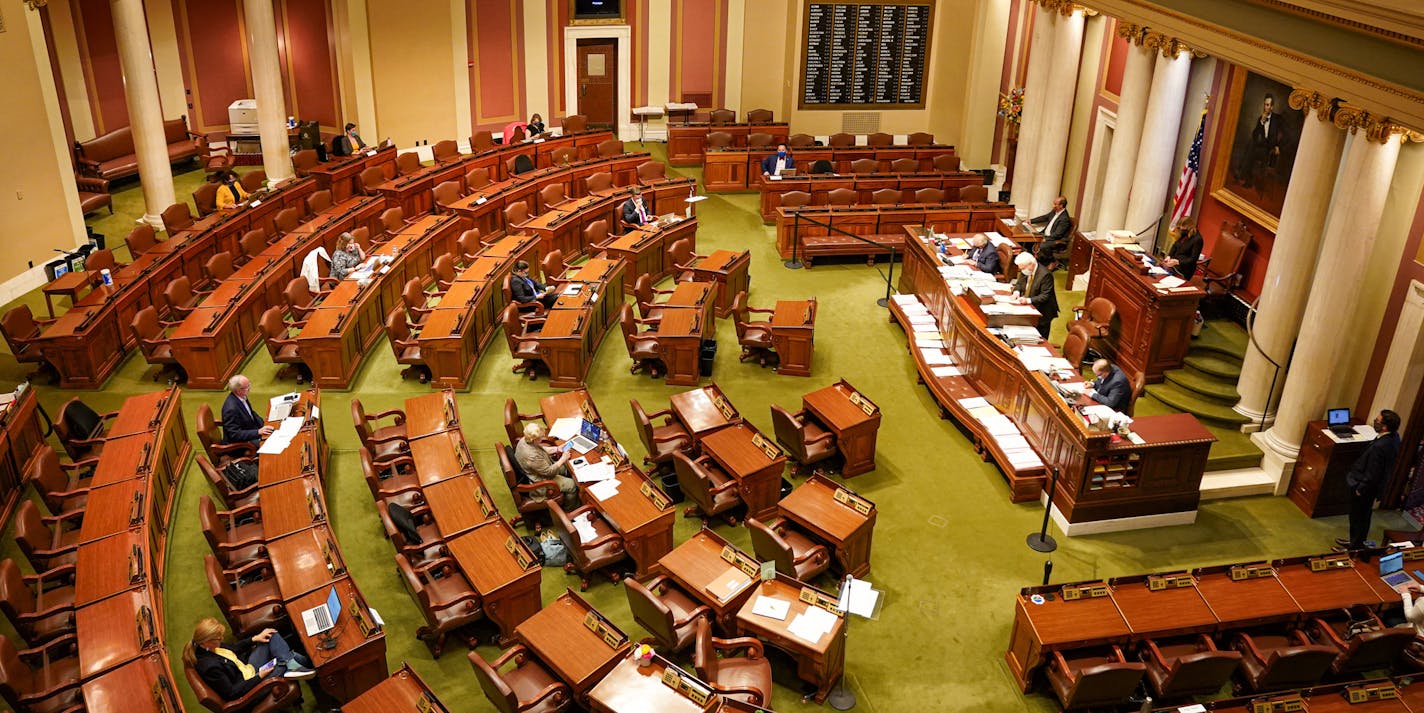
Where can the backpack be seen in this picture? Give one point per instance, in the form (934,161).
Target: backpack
(533,544)
(240,474)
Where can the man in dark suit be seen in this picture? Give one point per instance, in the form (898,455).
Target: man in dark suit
(780,161)
(1265,147)
(1367,477)
(525,289)
(634,213)
(240,422)
(984,254)
(1111,388)
(1035,286)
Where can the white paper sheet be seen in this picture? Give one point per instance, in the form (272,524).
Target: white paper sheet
(934,357)
(565,428)
(804,627)
(604,489)
(771,607)
(943,371)
(593,472)
(862,598)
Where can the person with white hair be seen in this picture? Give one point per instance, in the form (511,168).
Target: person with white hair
(1034,286)
(984,254)
(240,422)
(539,463)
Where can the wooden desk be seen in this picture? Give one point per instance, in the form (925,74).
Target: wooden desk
(864,184)
(855,430)
(305,560)
(459,503)
(441,455)
(570,404)
(820,662)
(758,475)
(1165,612)
(69,284)
(342,175)
(793,325)
(116,631)
(806,231)
(403,692)
(291,505)
(704,410)
(845,531)
(699,295)
(729,270)
(358,661)
(431,414)
(604,278)
(1247,601)
(687,142)
(680,334)
(630,688)
(1317,483)
(698,563)
(559,636)
(1328,590)
(645,249)
(641,513)
(503,572)
(1153,329)
(140,686)
(114,564)
(567,343)
(113,509)
(21,433)
(739,169)
(1056,624)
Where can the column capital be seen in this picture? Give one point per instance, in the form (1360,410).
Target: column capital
(1131,32)
(1380,129)
(1065,7)
(1170,47)
(1309,100)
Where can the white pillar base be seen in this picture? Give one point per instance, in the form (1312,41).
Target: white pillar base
(1277,458)
(1256,416)
(1238,483)
(152,219)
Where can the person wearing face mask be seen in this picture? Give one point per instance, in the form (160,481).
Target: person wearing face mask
(634,213)
(230,191)
(780,161)
(1367,478)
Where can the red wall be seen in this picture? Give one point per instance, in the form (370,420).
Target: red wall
(99,54)
(496,46)
(698,49)
(1410,269)
(308,61)
(213,48)
(1117,60)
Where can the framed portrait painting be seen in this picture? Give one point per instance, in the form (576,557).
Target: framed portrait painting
(1252,165)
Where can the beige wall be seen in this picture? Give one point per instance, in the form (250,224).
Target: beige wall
(66,50)
(764,74)
(163,39)
(412,61)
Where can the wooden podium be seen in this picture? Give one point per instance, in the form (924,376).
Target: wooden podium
(1154,325)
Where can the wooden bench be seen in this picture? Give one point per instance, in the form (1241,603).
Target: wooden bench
(829,245)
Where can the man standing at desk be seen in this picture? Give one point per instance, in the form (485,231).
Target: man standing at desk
(1057,223)
(525,289)
(634,213)
(1368,476)
(780,161)
(1110,388)
(1035,286)
(240,421)
(984,254)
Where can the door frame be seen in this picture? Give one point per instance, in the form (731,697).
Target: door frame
(623,35)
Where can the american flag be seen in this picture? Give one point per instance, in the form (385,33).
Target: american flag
(1187,185)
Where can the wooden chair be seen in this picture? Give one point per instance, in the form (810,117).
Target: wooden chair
(806,441)
(920,138)
(148,331)
(643,346)
(299,300)
(481,141)
(1139,387)
(681,256)
(393,481)
(81,429)
(516,165)
(598,182)
(800,141)
(446,151)
(1095,318)
(553,267)
(1272,660)
(661,441)
(746,678)
(1075,345)
(709,489)
(595,234)
(514,421)
(1362,642)
(553,195)
(649,171)
(64,487)
(598,554)
(140,240)
(304,161)
(382,441)
(517,136)
(759,116)
(515,216)
(880,139)
(564,156)
(318,201)
(371,178)
(718,140)
(523,344)
(665,611)
(886,196)
(423,543)
(271,695)
(447,601)
(609,148)
(795,199)
(233,536)
(41,679)
(176,218)
(392,221)
(929,195)
(256,179)
(722,116)
(753,337)
(233,498)
(477,178)
(525,687)
(218,268)
(1220,273)
(1086,678)
(414,299)
(1187,666)
(287,220)
(281,347)
(248,597)
(205,199)
(45,541)
(470,245)
(407,163)
(533,309)
(574,123)
(405,346)
(793,551)
(530,496)
(905,165)
(445,194)
(252,244)
(645,296)
(841,141)
(864,165)
(40,607)
(842,197)
(974,194)
(946,163)
(21,330)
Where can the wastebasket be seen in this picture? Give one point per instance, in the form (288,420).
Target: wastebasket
(671,487)
(56,267)
(706,356)
(77,258)
(97,239)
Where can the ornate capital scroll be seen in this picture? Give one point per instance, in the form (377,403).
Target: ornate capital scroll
(1380,129)
(1065,7)
(1131,32)
(1170,47)
(1309,100)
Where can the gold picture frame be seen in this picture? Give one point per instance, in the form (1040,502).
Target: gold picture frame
(1249,173)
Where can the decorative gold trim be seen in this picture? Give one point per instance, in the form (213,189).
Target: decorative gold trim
(1066,8)
(1309,100)
(1131,32)
(1344,22)
(1170,47)
(36,4)
(1380,129)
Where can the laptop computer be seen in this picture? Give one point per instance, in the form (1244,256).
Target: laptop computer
(322,617)
(590,430)
(1338,420)
(1393,574)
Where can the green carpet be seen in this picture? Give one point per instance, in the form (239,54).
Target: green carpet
(949,548)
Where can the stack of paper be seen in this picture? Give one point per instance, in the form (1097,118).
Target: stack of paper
(861,598)
(812,624)
(604,489)
(934,357)
(282,437)
(902,300)
(929,339)
(973,403)
(943,371)
(592,472)
(565,428)
(1169,282)
(584,528)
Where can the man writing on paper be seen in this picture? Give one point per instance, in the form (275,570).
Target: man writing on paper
(539,464)
(1035,286)
(525,289)
(984,254)
(240,421)
(1111,388)
(1367,478)
(780,161)
(633,213)
(1057,223)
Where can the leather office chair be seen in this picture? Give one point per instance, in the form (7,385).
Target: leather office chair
(371,178)
(141,239)
(271,695)
(287,220)
(442,270)
(645,296)
(530,496)
(514,421)
(805,440)
(1096,317)
(516,165)
(1220,273)
(665,611)
(205,199)
(886,196)
(1274,660)
(753,337)
(1139,387)
(392,221)
(722,116)
(563,157)
(445,151)
(64,487)
(553,195)
(974,194)
(447,601)
(318,201)
(217,268)
(405,346)
(216,159)
(595,234)
(426,545)
(800,141)
(81,429)
(651,171)
(45,541)
(709,488)
(414,298)
(212,440)
(232,498)
(841,140)
(946,163)
(585,558)
(534,309)
(574,123)
(920,138)
(681,256)
(864,166)
(1075,346)
(445,194)
(397,482)
(515,216)
(252,244)
(21,330)
(300,301)
(719,140)
(525,687)
(517,136)
(880,139)
(1187,666)
(1361,640)
(822,167)
(153,343)
(44,679)
(470,245)
(660,440)
(598,182)
(793,551)
(304,161)
(176,218)
(1009,271)
(40,607)
(553,267)
(929,195)
(523,344)
(759,116)
(609,148)
(842,197)
(746,678)
(407,163)
(362,237)
(281,347)
(234,537)
(643,347)
(1093,677)
(905,165)
(248,597)
(481,141)
(382,441)
(103,260)
(795,199)
(256,180)
(477,178)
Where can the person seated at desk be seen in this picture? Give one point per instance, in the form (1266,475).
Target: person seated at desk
(1111,388)
(232,671)
(349,142)
(240,422)
(634,213)
(230,190)
(539,463)
(525,289)
(535,125)
(1057,223)
(984,254)
(1182,258)
(1035,286)
(780,161)
(348,256)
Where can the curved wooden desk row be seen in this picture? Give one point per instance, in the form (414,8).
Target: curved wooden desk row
(738,447)
(403,692)
(21,433)
(864,184)
(565,228)
(687,142)
(87,343)
(306,560)
(883,224)
(214,339)
(1208,600)
(342,174)
(118,574)
(1101,477)
(1401,694)
(738,169)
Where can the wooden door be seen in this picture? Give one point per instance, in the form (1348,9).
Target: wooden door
(598,81)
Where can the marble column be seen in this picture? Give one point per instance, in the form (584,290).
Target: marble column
(1031,123)
(1292,265)
(1058,111)
(155,173)
(1127,136)
(1154,175)
(1354,218)
(267,90)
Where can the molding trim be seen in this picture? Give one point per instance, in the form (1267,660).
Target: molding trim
(1066,8)
(1353,23)
(623,34)
(1380,129)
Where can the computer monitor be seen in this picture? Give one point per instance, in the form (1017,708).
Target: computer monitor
(1337,417)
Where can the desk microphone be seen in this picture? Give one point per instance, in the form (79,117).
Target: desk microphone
(1048,572)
